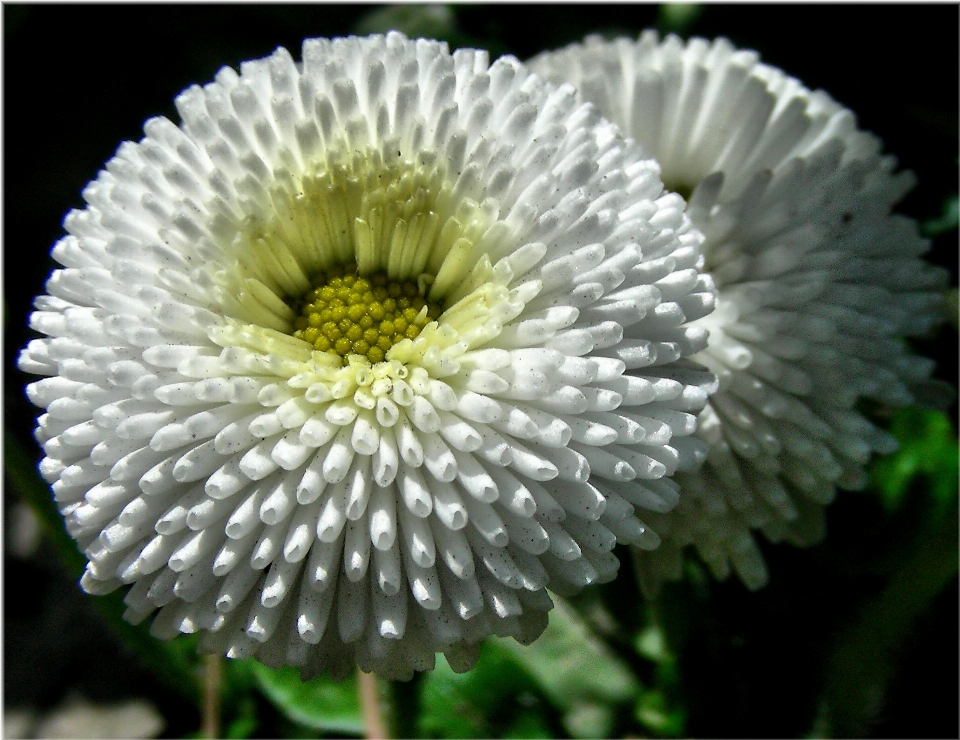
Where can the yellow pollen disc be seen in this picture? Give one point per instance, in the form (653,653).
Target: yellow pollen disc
(349,314)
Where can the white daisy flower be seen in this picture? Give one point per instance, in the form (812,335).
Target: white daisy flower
(365,354)
(818,283)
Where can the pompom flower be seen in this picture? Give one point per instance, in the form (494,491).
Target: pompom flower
(370,350)
(818,283)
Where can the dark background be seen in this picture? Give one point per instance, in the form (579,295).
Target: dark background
(80,79)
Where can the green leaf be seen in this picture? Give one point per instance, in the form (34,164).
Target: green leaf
(244,723)
(578,672)
(652,644)
(427,21)
(238,698)
(320,704)
(678,17)
(654,712)
(497,698)
(658,708)
(947,221)
(928,448)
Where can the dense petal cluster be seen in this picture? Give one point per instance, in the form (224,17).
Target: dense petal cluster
(818,283)
(329,510)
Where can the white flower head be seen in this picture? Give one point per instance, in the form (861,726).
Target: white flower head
(818,283)
(365,354)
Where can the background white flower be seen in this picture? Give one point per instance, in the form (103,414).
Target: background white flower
(373,498)
(819,283)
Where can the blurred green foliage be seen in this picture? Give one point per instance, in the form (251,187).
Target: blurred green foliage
(497,699)
(320,704)
(928,458)
(944,223)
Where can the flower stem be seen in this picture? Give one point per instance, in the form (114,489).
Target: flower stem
(211,696)
(374,726)
(404,701)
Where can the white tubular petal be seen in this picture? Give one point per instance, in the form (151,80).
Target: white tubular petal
(289,453)
(475,479)
(313,613)
(366,437)
(423,415)
(438,459)
(501,599)
(484,520)
(300,536)
(387,412)
(194,548)
(525,532)
(477,408)
(449,506)
(281,578)
(408,443)
(385,459)
(156,553)
(514,495)
(532,572)
(245,518)
(390,613)
(232,553)
(423,583)
(280,502)
(257,463)
(262,622)
(418,539)
(516,423)
(208,512)
(333,513)
(339,457)
(359,490)
(269,546)
(351,609)
(140,510)
(388,569)
(416,494)
(312,483)
(316,431)
(383,518)
(174,519)
(323,564)
(453,548)
(356,552)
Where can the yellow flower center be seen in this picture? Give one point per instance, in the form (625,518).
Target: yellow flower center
(363,259)
(349,314)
